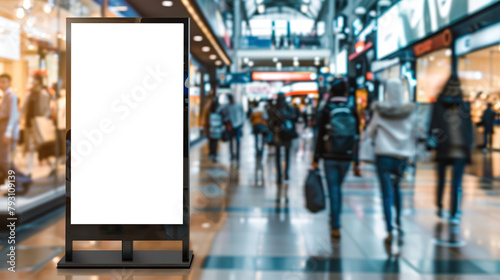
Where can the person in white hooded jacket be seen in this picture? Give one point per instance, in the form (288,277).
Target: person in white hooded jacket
(393,131)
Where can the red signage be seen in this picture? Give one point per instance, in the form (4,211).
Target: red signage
(360,48)
(439,41)
(284,76)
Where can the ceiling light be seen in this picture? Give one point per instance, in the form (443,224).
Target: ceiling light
(259,1)
(384,3)
(316,58)
(295,58)
(27,4)
(167,3)
(447,52)
(278,66)
(304,8)
(250,63)
(31,47)
(316,62)
(275,59)
(372,13)
(20,13)
(47,8)
(296,63)
(205,49)
(431,58)
(261,9)
(218,62)
(198,38)
(360,11)
(213,57)
(246,60)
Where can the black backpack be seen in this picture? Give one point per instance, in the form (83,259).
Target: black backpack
(341,132)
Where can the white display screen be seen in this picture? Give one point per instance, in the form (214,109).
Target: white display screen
(127,87)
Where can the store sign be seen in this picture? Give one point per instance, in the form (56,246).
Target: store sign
(477,40)
(284,76)
(360,47)
(411,20)
(10,39)
(439,41)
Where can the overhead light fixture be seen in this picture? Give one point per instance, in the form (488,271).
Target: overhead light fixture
(205,49)
(167,3)
(218,62)
(316,62)
(296,63)
(31,47)
(316,58)
(372,13)
(384,3)
(360,11)
(27,4)
(246,60)
(20,13)
(261,9)
(212,57)
(259,2)
(206,31)
(275,59)
(304,8)
(198,38)
(47,8)
(250,63)
(295,58)
(447,52)
(278,66)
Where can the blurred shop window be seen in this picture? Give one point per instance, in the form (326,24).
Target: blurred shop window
(433,70)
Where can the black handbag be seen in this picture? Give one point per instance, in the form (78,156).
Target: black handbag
(315,194)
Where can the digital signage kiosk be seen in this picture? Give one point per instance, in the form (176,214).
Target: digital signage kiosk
(128,118)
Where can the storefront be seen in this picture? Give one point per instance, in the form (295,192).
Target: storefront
(478,56)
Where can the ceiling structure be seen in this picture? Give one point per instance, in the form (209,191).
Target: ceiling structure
(205,46)
(309,8)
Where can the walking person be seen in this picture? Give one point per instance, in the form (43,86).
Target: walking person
(37,103)
(9,125)
(258,118)
(451,135)
(393,131)
(214,128)
(488,122)
(234,118)
(282,118)
(338,133)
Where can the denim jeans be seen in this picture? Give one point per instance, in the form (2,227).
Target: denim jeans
(259,143)
(456,183)
(279,168)
(212,146)
(235,137)
(335,172)
(390,170)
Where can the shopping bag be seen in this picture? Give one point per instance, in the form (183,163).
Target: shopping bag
(366,150)
(315,194)
(44,131)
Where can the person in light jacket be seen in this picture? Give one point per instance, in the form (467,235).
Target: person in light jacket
(234,117)
(393,130)
(451,135)
(9,125)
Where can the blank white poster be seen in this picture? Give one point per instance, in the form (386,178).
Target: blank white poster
(127,123)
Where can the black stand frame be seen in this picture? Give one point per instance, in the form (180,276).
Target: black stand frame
(127,257)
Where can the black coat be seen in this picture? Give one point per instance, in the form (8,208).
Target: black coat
(488,120)
(441,126)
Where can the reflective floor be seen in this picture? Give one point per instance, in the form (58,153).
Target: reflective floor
(246,226)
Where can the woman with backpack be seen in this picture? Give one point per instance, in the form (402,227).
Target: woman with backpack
(282,118)
(338,131)
(393,130)
(214,127)
(451,135)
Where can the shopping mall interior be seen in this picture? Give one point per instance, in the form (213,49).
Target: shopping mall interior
(260,75)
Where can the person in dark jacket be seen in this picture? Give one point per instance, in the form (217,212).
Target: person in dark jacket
(488,122)
(335,165)
(282,118)
(451,135)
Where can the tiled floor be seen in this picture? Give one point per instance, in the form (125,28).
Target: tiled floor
(245,226)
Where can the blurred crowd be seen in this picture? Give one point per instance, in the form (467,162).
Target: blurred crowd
(388,140)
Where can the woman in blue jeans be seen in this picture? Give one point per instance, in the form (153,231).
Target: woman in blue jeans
(451,134)
(336,163)
(392,129)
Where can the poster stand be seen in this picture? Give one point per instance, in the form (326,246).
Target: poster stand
(128,233)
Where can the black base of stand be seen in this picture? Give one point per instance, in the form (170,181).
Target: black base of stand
(113,259)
